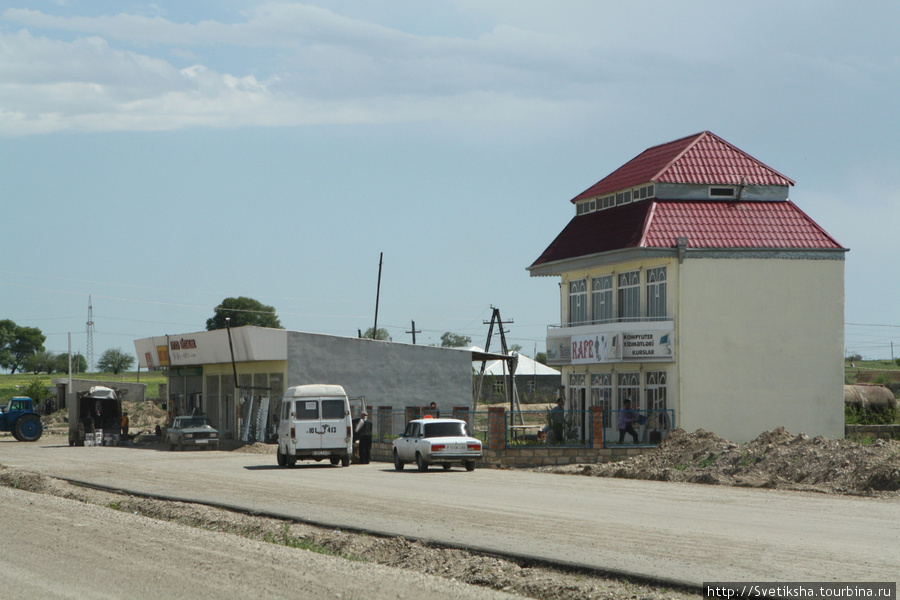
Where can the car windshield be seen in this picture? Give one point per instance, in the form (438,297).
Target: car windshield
(194,422)
(445,430)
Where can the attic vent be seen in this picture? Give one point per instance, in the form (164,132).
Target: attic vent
(722,192)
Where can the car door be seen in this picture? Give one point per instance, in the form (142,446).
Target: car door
(406,447)
(306,422)
(333,425)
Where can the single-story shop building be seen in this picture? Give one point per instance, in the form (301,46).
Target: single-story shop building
(202,368)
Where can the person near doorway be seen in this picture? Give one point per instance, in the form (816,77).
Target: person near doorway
(553,431)
(364,435)
(627,417)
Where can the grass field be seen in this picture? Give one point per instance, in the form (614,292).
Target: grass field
(13,385)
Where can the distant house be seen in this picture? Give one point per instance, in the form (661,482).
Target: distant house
(535,382)
(691,283)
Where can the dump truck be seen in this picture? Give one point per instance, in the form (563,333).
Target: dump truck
(98,409)
(21,419)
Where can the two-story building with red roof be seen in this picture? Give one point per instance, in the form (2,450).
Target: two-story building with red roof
(692,285)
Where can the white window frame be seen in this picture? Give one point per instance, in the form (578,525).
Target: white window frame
(578,299)
(602,307)
(656,294)
(628,296)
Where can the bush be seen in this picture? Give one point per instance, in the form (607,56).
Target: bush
(37,391)
(855,415)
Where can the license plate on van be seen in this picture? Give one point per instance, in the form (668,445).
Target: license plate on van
(320,452)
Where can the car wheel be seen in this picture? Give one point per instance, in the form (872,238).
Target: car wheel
(398,464)
(446,466)
(470,465)
(420,462)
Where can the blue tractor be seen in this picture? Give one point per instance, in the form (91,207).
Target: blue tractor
(20,418)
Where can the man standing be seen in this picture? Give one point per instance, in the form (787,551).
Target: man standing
(364,434)
(627,417)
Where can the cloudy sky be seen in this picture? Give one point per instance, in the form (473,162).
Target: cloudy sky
(162,156)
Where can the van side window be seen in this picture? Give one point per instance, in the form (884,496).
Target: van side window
(333,409)
(307,410)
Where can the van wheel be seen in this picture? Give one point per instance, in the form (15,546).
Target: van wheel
(281,458)
(291,461)
(345,461)
(398,464)
(335,460)
(420,462)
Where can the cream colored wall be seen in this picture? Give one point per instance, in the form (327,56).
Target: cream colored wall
(760,346)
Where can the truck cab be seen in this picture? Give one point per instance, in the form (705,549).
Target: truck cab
(315,423)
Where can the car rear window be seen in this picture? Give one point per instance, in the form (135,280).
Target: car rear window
(445,430)
(333,409)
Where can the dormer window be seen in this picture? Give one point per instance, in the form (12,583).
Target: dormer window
(722,192)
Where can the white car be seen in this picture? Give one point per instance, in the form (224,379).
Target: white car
(436,441)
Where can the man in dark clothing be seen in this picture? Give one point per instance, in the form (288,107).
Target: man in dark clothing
(364,435)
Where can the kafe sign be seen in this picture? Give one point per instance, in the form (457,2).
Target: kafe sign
(620,347)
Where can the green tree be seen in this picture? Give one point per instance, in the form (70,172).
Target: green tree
(40,362)
(17,344)
(454,340)
(115,361)
(79,363)
(243,311)
(381,335)
(541,357)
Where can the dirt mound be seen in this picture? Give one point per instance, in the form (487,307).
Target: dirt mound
(776,459)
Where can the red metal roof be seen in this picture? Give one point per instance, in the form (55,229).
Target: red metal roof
(703,158)
(706,224)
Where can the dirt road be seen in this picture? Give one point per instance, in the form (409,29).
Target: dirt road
(57,548)
(683,533)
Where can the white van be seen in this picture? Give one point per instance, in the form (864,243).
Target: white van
(315,423)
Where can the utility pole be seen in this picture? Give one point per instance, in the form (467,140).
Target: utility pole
(90,335)
(377,296)
(414,332)
(510,387)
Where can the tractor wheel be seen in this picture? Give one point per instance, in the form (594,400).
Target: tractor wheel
(29,428)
